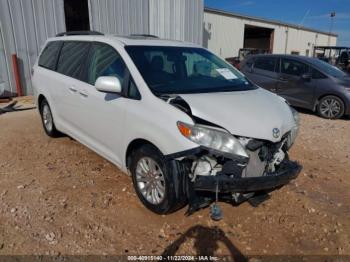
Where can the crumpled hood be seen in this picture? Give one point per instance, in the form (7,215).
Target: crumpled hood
(253,113)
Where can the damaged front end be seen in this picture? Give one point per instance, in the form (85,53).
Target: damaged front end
(228,167)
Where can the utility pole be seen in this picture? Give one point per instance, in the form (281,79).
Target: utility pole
(331,28)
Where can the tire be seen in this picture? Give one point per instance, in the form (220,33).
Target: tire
(161,200)
(47,120)
(331,107)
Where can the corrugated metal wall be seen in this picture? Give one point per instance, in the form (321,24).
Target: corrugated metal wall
(121,17)
(26,24)
(171,19)
(177,19)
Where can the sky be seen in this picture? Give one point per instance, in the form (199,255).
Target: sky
(309,13)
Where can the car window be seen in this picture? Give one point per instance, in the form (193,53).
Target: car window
(293,67)
(72,58)
(317,74)
(185,70)
(327,68)
(266,63)
(133,92)
(48,57)
(105,61)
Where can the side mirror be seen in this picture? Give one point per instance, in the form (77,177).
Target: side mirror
(108,84)
(306,77)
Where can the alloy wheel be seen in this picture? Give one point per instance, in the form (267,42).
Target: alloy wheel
(330,108)
(150,180)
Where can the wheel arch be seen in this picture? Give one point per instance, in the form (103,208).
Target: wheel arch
(134,145)
(41,98)
(327,94)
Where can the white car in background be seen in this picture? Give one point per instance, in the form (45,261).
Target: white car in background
(184,123)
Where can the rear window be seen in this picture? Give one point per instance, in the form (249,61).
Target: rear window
(265,63)
(49,55)
(72,57)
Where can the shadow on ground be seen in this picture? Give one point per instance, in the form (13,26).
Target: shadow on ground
(206,242)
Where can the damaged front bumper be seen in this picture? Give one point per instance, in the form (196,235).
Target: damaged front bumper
(230,178)
(224,183)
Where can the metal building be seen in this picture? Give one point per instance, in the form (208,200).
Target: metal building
(225,33)
(26,24)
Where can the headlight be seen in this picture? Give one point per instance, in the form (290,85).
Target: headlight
(212,138)
(296,116)
(295,130)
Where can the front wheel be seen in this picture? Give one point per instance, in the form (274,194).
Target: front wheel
(153,182)
(331,107)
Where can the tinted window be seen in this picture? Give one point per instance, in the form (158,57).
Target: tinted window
(48,57)
(317,74)
(105,61)
(180,70)
(133,92)
(328,69)
(268,64)
(72,58)
(293,67)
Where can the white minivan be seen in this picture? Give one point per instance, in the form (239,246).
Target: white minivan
(183,123)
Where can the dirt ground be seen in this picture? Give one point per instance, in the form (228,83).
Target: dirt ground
(58,197)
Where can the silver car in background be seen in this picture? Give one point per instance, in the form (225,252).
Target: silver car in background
(304,82)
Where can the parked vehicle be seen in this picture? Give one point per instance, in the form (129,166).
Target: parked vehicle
(177,118)
(242,54)
(338,56)
(304,82)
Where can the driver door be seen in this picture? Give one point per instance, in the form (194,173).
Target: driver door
(103,114)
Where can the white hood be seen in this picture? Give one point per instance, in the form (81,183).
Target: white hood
(252,114)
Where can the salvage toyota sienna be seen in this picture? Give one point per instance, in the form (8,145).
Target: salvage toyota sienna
(182,122)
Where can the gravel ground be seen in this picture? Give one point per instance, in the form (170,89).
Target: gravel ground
(58,197)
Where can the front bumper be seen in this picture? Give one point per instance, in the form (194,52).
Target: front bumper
(287,171)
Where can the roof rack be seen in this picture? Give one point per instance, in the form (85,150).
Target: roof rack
(79,33)
(144,35)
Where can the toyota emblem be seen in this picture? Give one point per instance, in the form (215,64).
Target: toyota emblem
(276,132)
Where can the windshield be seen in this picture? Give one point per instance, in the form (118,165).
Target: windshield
(329,69)
(183,70)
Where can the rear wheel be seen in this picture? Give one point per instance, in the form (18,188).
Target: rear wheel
(153,182)
(331,107)
(47,120)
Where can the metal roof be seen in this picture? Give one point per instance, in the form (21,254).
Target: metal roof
(265,20)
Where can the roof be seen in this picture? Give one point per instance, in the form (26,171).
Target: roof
(310,60)
(127,40)
(283,55)
(265,20)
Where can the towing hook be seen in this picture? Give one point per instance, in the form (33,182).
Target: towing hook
(215,210)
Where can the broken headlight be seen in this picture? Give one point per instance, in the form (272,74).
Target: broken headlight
(212,138)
